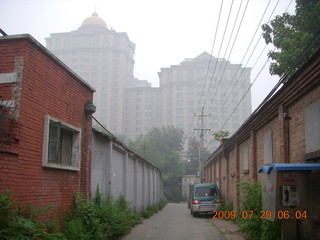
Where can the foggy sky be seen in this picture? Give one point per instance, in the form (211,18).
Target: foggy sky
(165,32)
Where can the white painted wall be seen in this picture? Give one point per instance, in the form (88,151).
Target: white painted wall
(121,172)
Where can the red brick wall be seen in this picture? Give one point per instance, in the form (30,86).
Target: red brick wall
(47,88)
(223,177)
(288,143)
(296,126)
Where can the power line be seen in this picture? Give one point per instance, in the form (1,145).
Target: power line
(238,79)
(206,100)
(238,30)
(255,79)
(216,89)
(215,67)
(213,44)
(284,78)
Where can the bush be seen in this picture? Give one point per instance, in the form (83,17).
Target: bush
(226,206)
(254,227)
(155,208)
(99,219)
(19,223)
(163,203)
(150,211)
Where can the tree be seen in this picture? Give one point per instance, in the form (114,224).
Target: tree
(290,34)
(192,165)
(162,147)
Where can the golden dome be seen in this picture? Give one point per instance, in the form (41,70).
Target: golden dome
(94,20)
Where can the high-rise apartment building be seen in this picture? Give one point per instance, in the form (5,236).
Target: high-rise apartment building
(222,90)
(102,57)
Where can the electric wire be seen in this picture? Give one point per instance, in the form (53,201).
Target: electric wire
(243,70)
(257,75)
(219,82)
(231,50)
(212,48)
(238,30)
(217,59)
(284,78)
(228,45)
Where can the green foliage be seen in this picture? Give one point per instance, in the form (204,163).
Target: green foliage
(163,203)
(19,223)
(254,227)
(161,146)
(226,206)
(150,211)
(219,136)
(290,34)
(192,165)
(154,209)
(99,219)
(83,221)
(74,230)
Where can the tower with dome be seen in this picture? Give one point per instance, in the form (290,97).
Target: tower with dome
(103,58)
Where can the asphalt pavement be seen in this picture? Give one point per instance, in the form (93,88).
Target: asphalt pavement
(175,222)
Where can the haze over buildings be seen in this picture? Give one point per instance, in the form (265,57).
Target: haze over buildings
(127,106)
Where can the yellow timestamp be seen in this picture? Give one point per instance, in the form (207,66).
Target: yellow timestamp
(281,214)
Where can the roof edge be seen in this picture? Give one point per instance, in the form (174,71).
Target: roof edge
(116,140)
(33,41)
(285,167)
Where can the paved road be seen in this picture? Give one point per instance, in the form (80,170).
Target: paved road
(175,222)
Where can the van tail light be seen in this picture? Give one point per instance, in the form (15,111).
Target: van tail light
(217,200)
(196,201)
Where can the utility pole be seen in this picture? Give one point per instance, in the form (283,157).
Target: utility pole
(202,129)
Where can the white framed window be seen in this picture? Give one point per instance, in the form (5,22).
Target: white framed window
(61,145)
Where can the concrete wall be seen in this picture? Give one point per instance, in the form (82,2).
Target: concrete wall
(119,171)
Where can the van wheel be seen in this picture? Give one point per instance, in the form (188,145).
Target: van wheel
(191,212)
(195,214)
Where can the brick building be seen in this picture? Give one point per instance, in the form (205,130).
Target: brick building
(45,125)
(285,129)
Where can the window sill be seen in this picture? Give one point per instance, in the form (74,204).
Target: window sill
(62,167)
(246,171)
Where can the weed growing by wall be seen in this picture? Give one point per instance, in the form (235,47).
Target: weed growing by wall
(154,209)
(98,219)
(254,227)
(19,222)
